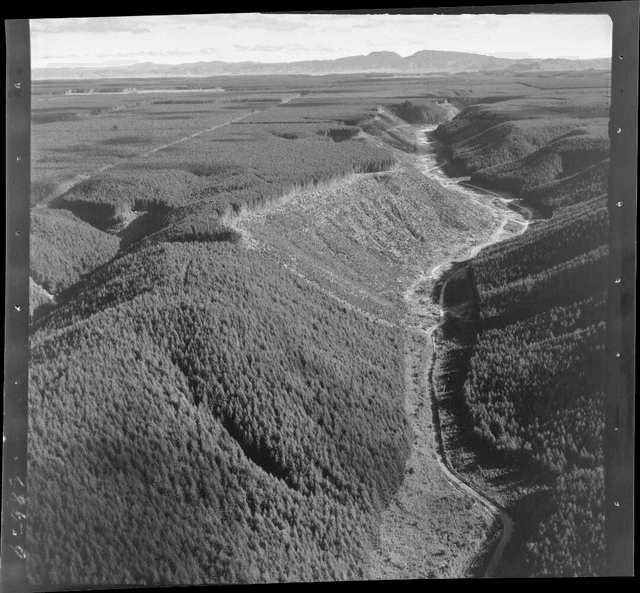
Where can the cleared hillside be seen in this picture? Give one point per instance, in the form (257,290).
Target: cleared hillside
(218,394)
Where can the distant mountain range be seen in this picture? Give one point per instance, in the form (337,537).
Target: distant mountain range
(422,62)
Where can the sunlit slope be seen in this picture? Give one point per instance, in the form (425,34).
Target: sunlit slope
(198,414)
(365,238)
(38,297)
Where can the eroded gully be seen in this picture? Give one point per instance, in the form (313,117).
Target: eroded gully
(425,316)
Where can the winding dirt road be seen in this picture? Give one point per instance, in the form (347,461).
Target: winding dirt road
(512,223)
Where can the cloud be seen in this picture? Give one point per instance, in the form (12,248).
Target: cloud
(267,48)
(105,25)
(292,37)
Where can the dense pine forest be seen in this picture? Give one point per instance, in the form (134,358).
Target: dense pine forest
(534,393)
(63,248)
(216,417)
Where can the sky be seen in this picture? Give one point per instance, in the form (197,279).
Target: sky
(167,39)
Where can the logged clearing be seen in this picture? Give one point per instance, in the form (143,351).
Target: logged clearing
(365,238)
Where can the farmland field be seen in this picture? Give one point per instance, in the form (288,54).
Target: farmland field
(235,342)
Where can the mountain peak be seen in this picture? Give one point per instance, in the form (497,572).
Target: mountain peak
(389,54)
(422,62)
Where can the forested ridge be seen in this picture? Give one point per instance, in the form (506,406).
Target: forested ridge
(492,141)
(535,390)
(63,247)
(197,414)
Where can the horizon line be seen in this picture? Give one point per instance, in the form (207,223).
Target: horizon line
(134,63)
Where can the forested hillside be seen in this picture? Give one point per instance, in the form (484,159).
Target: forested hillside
(535,390)
(197,414)
(63,247)
(567,155)
(498,134)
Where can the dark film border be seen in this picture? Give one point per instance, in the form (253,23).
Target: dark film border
(16,314)
(620,333)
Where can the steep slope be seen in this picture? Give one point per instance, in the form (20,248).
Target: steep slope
(567,155)
(535,391)
(197,414)
(244,423)
(531,393)
(579,187)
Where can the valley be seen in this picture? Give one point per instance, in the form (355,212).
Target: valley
(267,335)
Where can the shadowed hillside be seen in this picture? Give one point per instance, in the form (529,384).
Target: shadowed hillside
(63,247)
(533,394)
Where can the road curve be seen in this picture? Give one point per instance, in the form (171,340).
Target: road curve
(520,218)
(494,507)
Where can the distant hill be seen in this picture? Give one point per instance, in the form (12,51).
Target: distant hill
(421,62)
